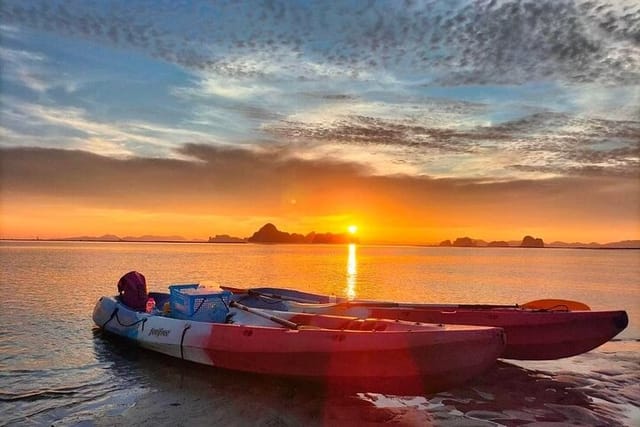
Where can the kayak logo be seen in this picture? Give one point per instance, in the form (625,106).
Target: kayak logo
(159,332)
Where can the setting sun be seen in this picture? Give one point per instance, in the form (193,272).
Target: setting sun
(352,229)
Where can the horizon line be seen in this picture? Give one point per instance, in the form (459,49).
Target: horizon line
(564,245)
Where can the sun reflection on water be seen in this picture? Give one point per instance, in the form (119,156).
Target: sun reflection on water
(352,272)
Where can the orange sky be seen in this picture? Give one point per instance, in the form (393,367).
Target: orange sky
(76,193)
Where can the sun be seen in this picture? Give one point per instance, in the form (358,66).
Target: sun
(352,229)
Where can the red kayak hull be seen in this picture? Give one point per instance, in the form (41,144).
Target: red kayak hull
(531,335)
(359,361)
(346,354)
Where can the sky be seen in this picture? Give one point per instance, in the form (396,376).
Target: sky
(417,121)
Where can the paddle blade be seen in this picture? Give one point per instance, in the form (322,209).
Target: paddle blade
(556,304)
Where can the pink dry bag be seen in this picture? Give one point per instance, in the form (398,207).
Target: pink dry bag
(132,288)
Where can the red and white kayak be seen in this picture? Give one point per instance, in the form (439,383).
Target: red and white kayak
(345,353)
(551,329)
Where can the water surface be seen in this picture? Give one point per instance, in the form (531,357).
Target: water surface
(55,368)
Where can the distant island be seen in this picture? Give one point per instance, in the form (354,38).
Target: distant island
(225,238)
(534,242)
(268,233)
(468,242)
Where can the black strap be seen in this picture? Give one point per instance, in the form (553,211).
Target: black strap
(115,312)
(225,304)
(199,307)
(126,325)
(184,331)
(205,300)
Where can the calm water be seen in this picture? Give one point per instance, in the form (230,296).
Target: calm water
(55,368)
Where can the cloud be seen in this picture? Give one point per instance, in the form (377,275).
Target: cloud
(242,182)
(337,80)
(24,67)
(217,178)
(436,138)
(212,85)
(74,127)
(540,144)
(483,42)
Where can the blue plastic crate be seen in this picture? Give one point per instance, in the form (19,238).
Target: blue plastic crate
(190,302)
(178,301)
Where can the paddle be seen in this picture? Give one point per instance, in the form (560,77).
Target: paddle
(541,304)
(280,297)
(374,303)
(279,320)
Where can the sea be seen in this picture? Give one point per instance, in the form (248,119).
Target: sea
(56,368)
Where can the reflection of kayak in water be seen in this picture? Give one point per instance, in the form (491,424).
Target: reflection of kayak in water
(540,330)
(343,352)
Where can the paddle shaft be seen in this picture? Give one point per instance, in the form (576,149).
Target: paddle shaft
(382,304)
(543,304)
(278,320)
(280,297)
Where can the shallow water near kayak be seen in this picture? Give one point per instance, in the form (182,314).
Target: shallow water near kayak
(56,368)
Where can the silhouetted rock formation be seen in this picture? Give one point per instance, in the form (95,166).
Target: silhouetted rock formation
(225,238)
(498,244)
(445,243)
(270,234)
(314,237)
(531,242)
(464,242)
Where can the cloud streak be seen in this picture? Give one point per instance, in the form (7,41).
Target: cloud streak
(226,181)
(547,143)
(75,128)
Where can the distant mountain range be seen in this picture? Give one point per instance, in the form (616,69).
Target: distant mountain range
(270,234)
(623,244)
(114,238)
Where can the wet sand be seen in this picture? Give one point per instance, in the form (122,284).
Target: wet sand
(601,387)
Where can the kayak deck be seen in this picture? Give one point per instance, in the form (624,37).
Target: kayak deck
(532,334)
